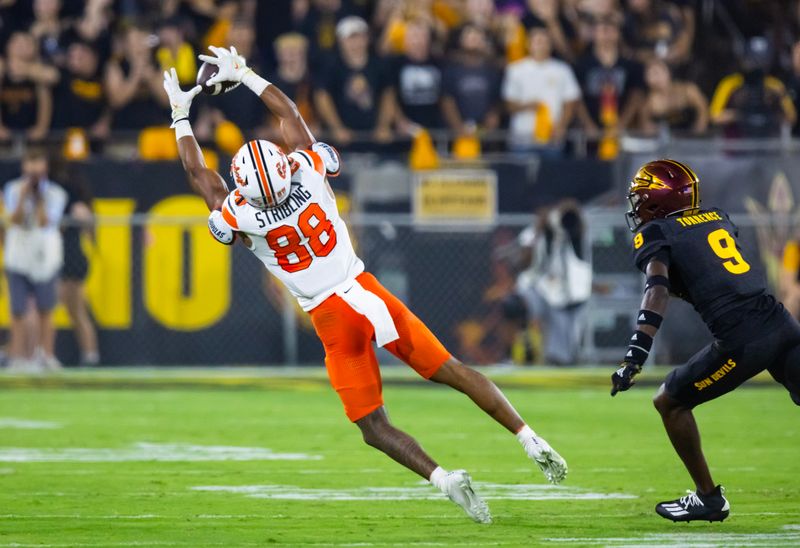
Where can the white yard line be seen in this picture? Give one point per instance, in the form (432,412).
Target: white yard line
(489,491)
(25,424)
(127,516)
(148,452)
(697,539)
(122,543)
(175,543)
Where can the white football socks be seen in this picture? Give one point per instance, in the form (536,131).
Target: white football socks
(525,434)
(437,478)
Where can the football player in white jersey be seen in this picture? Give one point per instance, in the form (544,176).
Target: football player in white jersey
(284,211)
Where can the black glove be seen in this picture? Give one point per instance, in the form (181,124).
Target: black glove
(622,378)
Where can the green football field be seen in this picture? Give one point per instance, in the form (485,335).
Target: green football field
(233,459)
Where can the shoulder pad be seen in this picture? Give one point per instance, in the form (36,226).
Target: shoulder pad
(649,234)
(220,229)
(309,159)
(648,242)
(228,211)
(330,158)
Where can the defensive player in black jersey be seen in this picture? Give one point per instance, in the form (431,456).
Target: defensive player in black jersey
(694,254)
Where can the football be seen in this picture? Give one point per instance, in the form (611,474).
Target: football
(206,72)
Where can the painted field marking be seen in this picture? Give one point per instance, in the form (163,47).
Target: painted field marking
(123,543)
(127,516)
(697,539)
(25,424)
(144,452)
(489,491)
(194,544)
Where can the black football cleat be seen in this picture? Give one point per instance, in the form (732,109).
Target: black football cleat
(696,507)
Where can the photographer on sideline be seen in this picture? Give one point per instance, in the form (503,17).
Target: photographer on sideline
(33,256)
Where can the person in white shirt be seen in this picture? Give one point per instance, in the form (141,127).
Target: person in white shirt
(284,211)
(33,256)
(541,94)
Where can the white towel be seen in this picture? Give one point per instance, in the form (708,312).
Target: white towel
(371,306)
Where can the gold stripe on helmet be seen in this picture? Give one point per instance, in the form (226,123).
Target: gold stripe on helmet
(650,182)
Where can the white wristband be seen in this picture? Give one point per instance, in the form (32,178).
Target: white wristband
(182,129)
(255,82)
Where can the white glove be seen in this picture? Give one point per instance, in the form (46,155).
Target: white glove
(231,67)
(330,157)
(181,101)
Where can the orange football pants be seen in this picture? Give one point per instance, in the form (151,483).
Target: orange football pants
(349,355)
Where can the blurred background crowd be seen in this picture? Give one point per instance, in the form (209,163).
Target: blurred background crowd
(516,75)
(539,93)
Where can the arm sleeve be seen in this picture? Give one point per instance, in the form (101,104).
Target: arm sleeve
(509,86)
(572,91)
(220,229)
(649,243)
(56,204)
(10,198)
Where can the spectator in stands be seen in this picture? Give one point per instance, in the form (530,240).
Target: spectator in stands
(547,14)
(93,27)
(348,95)
(752,103)
(318,25)
(292,74)
(174,51)
(79,221)
(395,18)
(471,91)
(541,93)
(47,28)
(584,14)
(612,84)
(26,101)
(656,29)
(80,97)
(505,32)
(32,258)
(672,105)
(134,84)
(240,107)
(416,83)
(556,281)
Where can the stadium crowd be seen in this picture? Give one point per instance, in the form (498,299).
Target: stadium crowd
(369,72)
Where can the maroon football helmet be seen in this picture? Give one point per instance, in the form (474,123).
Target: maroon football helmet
(661,188)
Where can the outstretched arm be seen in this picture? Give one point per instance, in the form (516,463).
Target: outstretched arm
(648,320)
(232,67)
(204,181)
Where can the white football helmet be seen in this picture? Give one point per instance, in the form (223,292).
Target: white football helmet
(262,174)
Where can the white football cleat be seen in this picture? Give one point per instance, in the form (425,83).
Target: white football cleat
(457,486)
(552,465)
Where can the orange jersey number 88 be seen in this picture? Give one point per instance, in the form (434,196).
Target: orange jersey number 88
(286,241)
